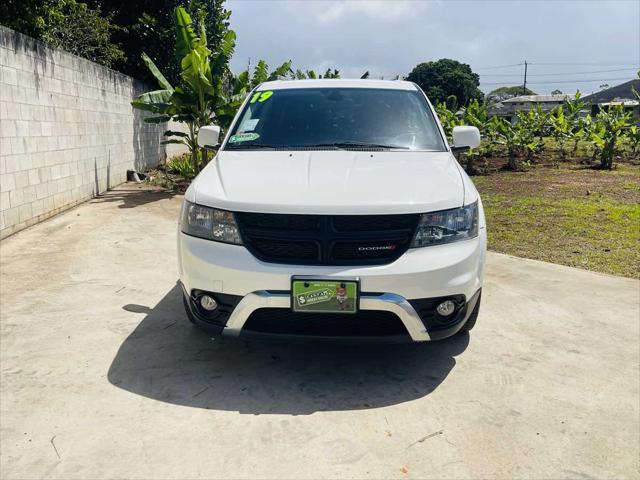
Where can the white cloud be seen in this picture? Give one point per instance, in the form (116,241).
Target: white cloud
(384,11)
(391,37)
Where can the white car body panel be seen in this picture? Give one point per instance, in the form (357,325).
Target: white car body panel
(331,182)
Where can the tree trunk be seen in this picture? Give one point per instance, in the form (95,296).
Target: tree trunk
(194,148)
(470,168)
(513,163)
(203,155)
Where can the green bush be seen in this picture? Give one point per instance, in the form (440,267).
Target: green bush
(182,166)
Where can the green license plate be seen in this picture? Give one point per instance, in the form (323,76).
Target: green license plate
(326,296)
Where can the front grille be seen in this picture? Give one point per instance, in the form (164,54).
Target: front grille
(365,323)
(327,239)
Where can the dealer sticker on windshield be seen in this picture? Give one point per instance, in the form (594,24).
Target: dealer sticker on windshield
(327,296)
(244,137)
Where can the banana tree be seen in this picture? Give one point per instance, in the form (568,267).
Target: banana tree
(204,92)
(311,74)
(261,74)
(541,126)
(447,118)
(561,130)
(633,138)
(475,114)
(609,127)
(525,133)
(573,108)
(507,135)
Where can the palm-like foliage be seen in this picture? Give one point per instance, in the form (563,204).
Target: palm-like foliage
(561,130)
(607,129)
(311,74)
(208,89)
(609,132)
(204,92)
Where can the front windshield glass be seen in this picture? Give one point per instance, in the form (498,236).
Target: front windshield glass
(330,118)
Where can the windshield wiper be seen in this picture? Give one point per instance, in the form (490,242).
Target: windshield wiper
(336,145)
(251,146)
(354,144)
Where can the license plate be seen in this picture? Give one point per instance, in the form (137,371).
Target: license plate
(325,296)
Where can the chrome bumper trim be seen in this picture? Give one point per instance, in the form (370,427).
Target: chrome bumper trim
(389,302)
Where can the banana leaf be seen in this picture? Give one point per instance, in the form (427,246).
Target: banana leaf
(281,71)
(159,119)
(157,101)
(173,133)
(260,73)
(186,37)
(162,81)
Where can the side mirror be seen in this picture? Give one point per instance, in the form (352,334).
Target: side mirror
(209,136)
(465,137)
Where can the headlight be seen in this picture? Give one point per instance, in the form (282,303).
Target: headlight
(210,223)
(447,226)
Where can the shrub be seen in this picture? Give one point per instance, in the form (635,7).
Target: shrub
(182,166)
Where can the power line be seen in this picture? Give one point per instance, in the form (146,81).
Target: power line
(570,64)
(592,64)
(553,82)
(556,74)
(500,66)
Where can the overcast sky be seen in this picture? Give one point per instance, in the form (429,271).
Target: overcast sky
(390,37)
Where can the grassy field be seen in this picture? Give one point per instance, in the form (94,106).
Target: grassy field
(570,215)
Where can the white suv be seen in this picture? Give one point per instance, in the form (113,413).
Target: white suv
(334,209)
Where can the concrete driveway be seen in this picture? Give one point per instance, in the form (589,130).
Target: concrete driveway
(102,376)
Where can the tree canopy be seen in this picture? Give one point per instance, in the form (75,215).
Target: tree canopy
(504,93)
(147,26)
(443,78)
(115,33)
(73,26)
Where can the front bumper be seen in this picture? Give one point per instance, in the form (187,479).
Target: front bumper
(402,288)
(419,323)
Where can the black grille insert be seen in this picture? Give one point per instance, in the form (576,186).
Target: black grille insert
(365,323)
(327,239)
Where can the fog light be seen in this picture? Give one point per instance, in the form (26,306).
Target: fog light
(446,308)
(208,303)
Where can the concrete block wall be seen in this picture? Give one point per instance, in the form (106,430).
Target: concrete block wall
(67,131)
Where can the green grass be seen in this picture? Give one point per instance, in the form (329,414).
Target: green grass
(572,216)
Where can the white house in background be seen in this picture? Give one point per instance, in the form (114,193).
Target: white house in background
(508,109)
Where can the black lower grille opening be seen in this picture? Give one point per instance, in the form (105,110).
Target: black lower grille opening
(426,309)
(226,305)
(366,323)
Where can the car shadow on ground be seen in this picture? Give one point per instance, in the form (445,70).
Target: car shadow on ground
(167,359)
(131,198)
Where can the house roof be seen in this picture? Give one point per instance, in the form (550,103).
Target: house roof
(537,98)
(621,92)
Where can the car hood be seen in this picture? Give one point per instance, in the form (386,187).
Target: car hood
(330,182)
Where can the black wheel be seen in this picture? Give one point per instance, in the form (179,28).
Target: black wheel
(471,321)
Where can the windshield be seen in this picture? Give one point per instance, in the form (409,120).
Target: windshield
(336,118)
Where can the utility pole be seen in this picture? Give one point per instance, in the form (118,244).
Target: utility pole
(524,88)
